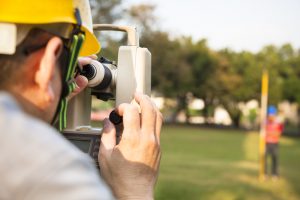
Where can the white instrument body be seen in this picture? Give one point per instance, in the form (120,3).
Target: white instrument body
(133,75)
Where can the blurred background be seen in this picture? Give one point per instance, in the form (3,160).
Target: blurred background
(207,63)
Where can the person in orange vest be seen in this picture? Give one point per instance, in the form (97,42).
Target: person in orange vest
(274,129)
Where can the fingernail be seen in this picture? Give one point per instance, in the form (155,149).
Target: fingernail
(84,61)
(94,57)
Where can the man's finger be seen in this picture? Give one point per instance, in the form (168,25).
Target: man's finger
(108,138)
(131,118)
(81,83)
(148,112)
(93,56)
(159,121)
(84,61)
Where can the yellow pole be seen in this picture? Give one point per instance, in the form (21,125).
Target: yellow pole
(263,118)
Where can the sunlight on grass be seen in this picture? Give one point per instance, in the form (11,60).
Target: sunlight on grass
(281,188)
(222,164)
(287,141)
(251,146)
(222,194)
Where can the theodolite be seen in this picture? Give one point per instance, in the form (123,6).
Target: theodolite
(131,73)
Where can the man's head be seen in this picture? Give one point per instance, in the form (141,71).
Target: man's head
(35,54)
(272,112)
(33,75)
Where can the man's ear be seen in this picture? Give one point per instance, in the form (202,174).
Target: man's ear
(46,67)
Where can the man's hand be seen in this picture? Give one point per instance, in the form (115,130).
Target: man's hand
(131,167)
(81,81)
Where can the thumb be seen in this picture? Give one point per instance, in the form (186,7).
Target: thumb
(108,138)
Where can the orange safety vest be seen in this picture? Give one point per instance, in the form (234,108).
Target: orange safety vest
(273,132)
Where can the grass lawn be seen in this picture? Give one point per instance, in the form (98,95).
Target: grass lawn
(222,165)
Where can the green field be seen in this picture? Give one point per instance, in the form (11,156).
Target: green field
(222,164)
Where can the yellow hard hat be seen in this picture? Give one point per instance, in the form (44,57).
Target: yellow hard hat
(36,12)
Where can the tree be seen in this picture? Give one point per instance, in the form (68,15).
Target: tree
(236,78)
(181,67)
(204,64)
(142,15)
(291,85)
(269,58)
(171,74)
(106,11)
(229,82)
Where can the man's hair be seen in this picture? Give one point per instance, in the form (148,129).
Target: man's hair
(12,67)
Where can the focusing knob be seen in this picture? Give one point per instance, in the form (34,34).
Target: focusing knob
(115,118)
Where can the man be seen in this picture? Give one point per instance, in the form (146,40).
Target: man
(39,42)
(273,131)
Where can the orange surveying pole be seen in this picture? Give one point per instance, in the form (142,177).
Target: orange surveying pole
(263,118)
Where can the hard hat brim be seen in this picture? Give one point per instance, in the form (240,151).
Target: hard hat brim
(91,44)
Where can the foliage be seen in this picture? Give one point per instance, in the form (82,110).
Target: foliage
(183,68)
(106,11)
(142,15)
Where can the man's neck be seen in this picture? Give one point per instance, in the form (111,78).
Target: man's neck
(27,105)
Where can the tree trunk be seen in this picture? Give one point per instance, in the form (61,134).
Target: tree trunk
(206,113)
(298,112)
(234,113)
(181,105)
(236,119)
(187,114)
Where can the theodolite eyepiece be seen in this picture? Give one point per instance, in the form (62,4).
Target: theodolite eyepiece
(100,74)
